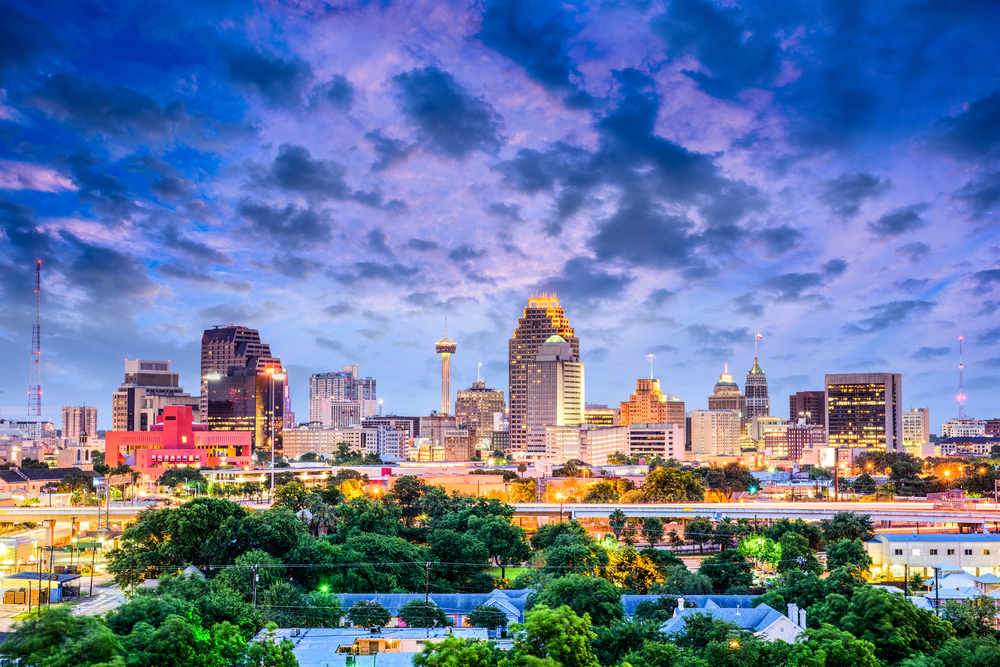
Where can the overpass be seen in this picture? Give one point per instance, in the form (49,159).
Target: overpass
(81,513)
(905,512)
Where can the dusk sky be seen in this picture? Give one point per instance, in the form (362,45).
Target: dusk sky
(343,176)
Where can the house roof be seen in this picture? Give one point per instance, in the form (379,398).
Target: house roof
(962,593)
(921,602)
(631,602)
(988,578)
(451,603)
(939,537)
(317,647)
(21,475)
(754,619)
(33,576)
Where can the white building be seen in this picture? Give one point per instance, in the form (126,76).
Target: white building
(333,413)
(916,426)
(666,440)
(974,553)
(587,443)
(963,428)
(324,441)
(715,432)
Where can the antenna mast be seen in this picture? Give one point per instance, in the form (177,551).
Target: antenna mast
(35,379)
(961,382)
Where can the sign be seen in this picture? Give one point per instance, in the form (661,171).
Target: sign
(119,480)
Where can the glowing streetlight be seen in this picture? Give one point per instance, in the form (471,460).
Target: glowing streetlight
(559,496)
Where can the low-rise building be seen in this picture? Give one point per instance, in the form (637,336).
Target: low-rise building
(666,440)
(920,553)
(977,446)
(391,647)
(763,621)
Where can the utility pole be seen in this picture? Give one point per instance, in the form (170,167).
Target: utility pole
(35,381)
(427,598)
(255,578)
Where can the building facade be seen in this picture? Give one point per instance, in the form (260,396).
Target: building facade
(865,410)
(148,388)
(715,433)
(543,318)
(726,395)
(600,416)
(648,405)
(808,405)
(477,407)
(555,393)
(324,441)
(963,428)
(650,440)
(77,420)
(801,436)
(757,401)
(342,386)
(893,554)
(916,426)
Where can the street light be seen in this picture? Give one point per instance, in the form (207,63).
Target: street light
(275,374)
(560,497)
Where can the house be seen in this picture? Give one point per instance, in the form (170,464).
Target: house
(987,583)
(35,480)
(763,621)
(338,647)
(974,553)
(631,602)
(456,606)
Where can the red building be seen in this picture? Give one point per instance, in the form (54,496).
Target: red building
(176,441)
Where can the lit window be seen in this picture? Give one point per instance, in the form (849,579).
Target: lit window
(986,552)
(915,552)
(951,552)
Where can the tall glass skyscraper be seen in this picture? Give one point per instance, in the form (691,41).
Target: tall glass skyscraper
(757,401)
(865,410)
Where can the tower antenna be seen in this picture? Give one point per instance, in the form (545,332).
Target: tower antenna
(649,358)
(961,382)
(35,379)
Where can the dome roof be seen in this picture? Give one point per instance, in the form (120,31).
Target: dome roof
(756,370)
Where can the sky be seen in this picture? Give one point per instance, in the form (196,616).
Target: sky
(345,176)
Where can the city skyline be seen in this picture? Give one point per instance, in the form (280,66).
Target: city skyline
(343,183)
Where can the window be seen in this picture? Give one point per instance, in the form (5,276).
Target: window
(986,552)
(899,552)
(951,552)
(968,552)
(915,552)
(933,552)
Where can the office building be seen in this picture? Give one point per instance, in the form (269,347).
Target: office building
(333,413)
(916,426)
(148,388)
(342,386)
(715,433)
(991,427)
(968,446)
(555,393)
(324,441)
(223,347)
(443,439)
(865,410)
(250,399)
(77,420)
(543,318)
(648,405)
(176,441)
(800,436)
(758,427)
(665,440)
(809,405)
(600,416)
(726,395)
(589,444)
(757,402)
(408,425)
(962,428)
(477,407)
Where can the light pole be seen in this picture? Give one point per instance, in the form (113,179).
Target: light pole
(560,497)
(276,374)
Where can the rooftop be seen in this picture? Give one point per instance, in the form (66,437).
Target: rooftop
(939,537)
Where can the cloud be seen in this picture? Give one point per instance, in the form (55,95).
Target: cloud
(972,134)
(170,238)
(988,337)
(290,226)
(184,273)
(293,266)
(370,333)
(511,212)
(28,176)
(779,240)
(704,334)
(20,230)
(22,38)
(886,315)
(109,277)
(362,271)
(329,344)
(989,307)
(981,195)
(339,92)
(986,280)
(914,252)
(389,151)
(912,284)
(584,280)
(465,253)
(432,301)
(339,309)
(791,286)
(295,170)
(377,242)
(898,222)
(845,194)
(422,245)
(658,349)
(659,297)
(451,122)
(748,304)
(928,353)
(107,194)
(278,81)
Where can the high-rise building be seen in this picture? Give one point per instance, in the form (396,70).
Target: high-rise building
(800,436)
(541,319)
(477,406)
(648,405)
(916,426)
(445,439)
(809,405)
(148,388)
(555,393)
(243,385)
(757,401)
(77,420)
(334,413)
(342,387)
(445,347)
(715,433)
(726,395)
(865,410)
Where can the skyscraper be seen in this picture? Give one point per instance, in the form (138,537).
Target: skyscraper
(865,410)
(77,420)
(476,406)
(648,405)
(810,405)
(757,402)
(149,387)
(342,387)
(726,395)
(542,319)
(555,393)
(223,347)
(445,347)
(917,426)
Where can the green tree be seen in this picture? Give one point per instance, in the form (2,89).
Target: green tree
(652,529)
(600,492)
(555,637)
(407,491)
(617,522)
(654,654)
(417,614)
(973,618)
(728,570)
(546,535)
(487,616)
(364,515)
(672,485)
(728,479)
(812,532)
(864,484)
(292,495)
(174,477)
(761,550)
(631,571)
(698,531)
(614,641)
(454,652)
(839,649)
(584,595)
(849,553)
(57,638)
(269,652)
(368,614)
(661,609)
(175,643)
(725,533)
(505,543)
(680,581)
(848,526)
(796,554)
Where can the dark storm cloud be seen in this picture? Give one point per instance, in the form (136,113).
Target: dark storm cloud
(928,353)
(422,245)
(361,271)
(643,234)
(511,212)
(389,150)
(107,194)
(988,337)
(536,36)
(987,280)
(972,134)
(280,82)
(889,314)
(748,304)
(465,253)
(584,280)
(451,122)
(21,232)
(981,196)
(912,284)
(114,110)
(845,194)
(898,222)
(914,251)
(22,38)
(170,237)
(295,170)
(779,240)
(290,226)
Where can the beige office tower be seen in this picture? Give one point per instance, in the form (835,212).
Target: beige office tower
(79,419)
(865,410)
(726,395)
(916,426)
(715,433)
(477,407)
(649,405)
(543,318)
(149,387)
(555,393)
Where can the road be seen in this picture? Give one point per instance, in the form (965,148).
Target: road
(104,600)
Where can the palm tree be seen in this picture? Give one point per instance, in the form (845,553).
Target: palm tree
(617,521)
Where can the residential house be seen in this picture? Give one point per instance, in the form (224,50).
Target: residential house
(763,621)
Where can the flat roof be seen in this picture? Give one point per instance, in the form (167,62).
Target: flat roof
(938,537)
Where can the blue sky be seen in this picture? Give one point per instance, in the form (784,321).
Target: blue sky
(342,177)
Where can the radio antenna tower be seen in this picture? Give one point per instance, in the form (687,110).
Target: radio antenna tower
(35,381)
(961,382)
